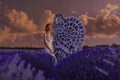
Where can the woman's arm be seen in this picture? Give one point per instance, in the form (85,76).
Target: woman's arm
(45,39)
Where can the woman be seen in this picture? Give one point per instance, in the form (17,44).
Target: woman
(48,41)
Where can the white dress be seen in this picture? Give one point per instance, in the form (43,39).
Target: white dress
(49,41)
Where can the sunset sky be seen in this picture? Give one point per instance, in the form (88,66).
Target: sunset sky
(23,21)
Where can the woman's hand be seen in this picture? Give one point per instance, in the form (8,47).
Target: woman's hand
(51,51)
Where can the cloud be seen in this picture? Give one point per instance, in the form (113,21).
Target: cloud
(19,28)
(47,17)
(22,31)
(25,40)
(20,22)
(4,32)
(108,10)
(6,35)
(105,24)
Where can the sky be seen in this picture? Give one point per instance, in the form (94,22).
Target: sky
(22,21)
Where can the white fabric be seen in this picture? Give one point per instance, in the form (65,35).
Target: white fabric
(49,41)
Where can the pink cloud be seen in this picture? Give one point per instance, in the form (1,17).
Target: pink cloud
(47,17)
(20,22)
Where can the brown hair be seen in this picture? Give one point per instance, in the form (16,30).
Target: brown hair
(46,27)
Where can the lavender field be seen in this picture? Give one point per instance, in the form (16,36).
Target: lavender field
(93,63)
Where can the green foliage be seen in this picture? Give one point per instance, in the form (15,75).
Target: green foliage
(114,45)
(105,45)
(85,46)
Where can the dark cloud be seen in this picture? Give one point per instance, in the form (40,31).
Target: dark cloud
(20,40)
(105,24)
(102,41)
